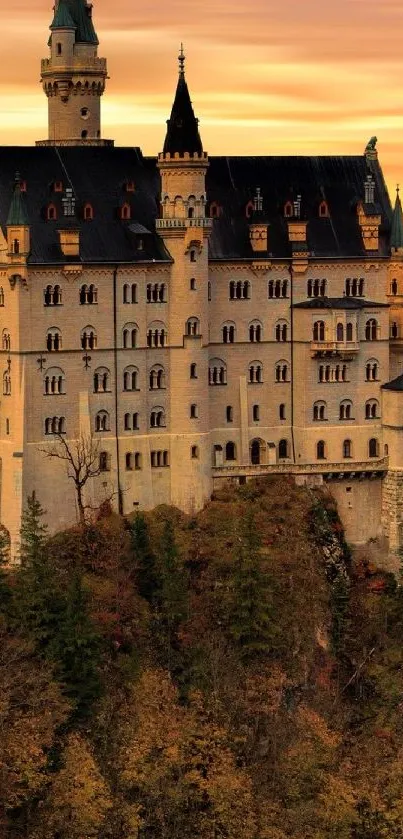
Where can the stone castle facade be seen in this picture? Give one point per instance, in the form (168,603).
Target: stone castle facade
(197,319)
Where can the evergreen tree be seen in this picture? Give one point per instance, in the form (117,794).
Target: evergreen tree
(77,649)
(173,583)
(251,615)
(5,590)
(147,576)
(38,598)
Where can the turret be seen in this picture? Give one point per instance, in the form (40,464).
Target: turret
(18,232)
(73,78)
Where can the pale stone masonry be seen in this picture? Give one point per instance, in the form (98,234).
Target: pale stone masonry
(203,319)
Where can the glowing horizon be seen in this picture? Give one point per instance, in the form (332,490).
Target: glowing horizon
(265,78)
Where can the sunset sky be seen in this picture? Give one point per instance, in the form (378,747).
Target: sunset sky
(266,77)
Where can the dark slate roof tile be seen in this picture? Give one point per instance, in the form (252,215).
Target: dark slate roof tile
(339,303)
(394,384)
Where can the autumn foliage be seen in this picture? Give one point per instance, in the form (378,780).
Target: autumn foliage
(228,675)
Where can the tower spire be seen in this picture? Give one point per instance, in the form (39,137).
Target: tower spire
(182,127)
(396,234)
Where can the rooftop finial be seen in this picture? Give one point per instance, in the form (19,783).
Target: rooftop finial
(397,190)
(181,59)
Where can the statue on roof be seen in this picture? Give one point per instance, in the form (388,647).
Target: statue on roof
(371,144)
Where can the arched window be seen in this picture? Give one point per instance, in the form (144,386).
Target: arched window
(340,332)
(138,460)
(125,212)
(349,332)
(255,332)
(156,335)
(102,380)
(281,371)
(88,294)
(229,413)
(102,421)
(372,370)
(131,422)
(283,449)
(157,418)
(230,451)
(6,384)
(281,411)
(288,209)
(155,293)
(255,372)
(130,293)
(347,448)
(255,413)
(281,330)
(129,461)
(217,372)
(54,381)
(55,425)
(371,330)
(194,411)
(319,330)
(53,339)
(6,340)
(323,210)
(88,338)
(373,447)
(320,450)
(346,410)
(361,287)
(1,296)
(130,378)
(372,409)
(194,452)
(192,284)
(193,371)
(228,333)
(88,212)
(193,326)
(51,213)
(394,330)
(209,291)
(129,336)
(239,290)
(157,377)
(319,411)
(393,287)
(104,462)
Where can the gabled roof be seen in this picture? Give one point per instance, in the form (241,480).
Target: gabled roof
(396,233)
(78,12)
(182,131)
(17,214)
(339,303)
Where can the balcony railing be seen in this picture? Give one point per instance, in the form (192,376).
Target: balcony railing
(342,467)
(341,348)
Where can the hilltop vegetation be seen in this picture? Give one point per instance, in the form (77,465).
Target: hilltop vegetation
(221,676)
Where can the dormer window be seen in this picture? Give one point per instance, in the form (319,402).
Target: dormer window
(140,244)
(323,210)
(58,186)
(88,212)
(125,212)
(249,209)
(16,246)
(51,214)
(215,210)
(129,186)
(23,186)
(288,209)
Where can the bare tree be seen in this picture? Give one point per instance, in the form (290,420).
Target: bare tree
(82,458)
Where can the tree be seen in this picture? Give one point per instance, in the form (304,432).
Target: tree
(251,612)
(82,458)
(147,578)
(33,531)
(172,593)
(5,590)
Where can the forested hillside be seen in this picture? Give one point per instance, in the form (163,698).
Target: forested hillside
(224,676)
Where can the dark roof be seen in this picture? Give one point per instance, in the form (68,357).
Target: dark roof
(232,181)
(98,175)
(78,13)
(182,126)
(339,303)
(396,233)
(394,384)
(17,214)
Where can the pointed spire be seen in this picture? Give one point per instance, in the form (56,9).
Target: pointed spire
(182,132)
(62,18)
(17,216)
(396,234)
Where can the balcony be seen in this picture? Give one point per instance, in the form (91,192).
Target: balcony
(331,349)
(345,468)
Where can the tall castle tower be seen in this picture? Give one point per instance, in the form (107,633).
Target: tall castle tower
(73,78)
(185,229)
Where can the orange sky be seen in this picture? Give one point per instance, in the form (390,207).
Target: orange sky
(266,77)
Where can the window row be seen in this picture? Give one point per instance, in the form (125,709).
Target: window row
(241,289)
(218,372)
(339,372)
(255,331)
(124,212)
(319,332)
(229,412)
(228,452)
(88,294)
(372,410)
(156,336)
(347,449)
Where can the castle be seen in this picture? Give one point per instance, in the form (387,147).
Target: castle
(198,319)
